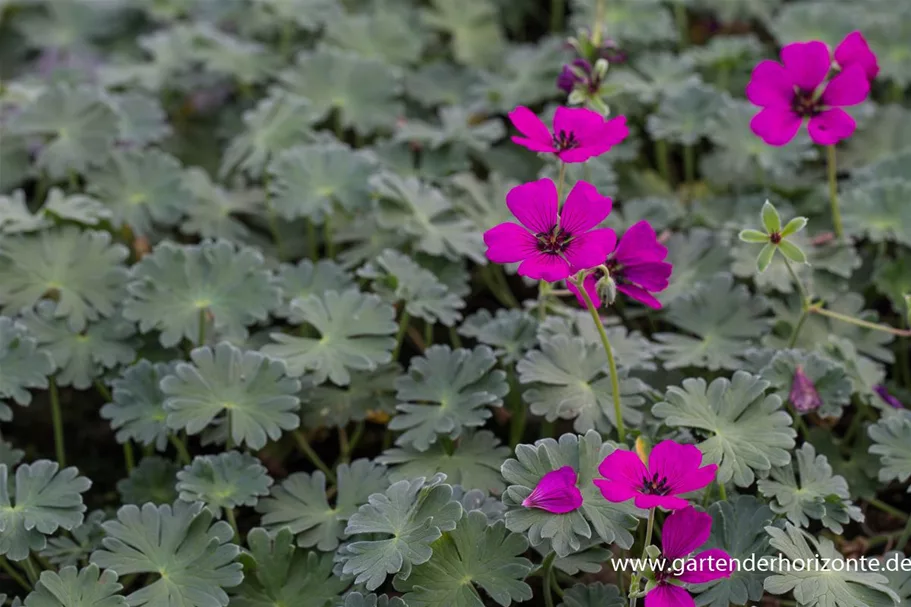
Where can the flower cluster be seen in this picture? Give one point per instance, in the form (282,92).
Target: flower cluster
(673,470)
(808,86)
(555,241)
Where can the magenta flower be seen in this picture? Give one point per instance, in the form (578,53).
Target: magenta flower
(684,531)
(889,399)
(791,92)
(804,395)
(636,266)
(673,469)
(854,50)
(552,244)
(579,134)
(556,492)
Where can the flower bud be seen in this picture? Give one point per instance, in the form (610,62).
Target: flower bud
(804,395)
(607,289)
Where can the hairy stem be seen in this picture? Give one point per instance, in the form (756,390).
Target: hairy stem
(201,336)
(614,377)
(229,515)
(128,458)
(860,323)
(182,454)
(663,160)
(15,575)
(833,190)
(804,302)
(890,510)
(57,419)
(314,458)
(31,570)
(103,391)
(546,568)
(634,584)
(400,335)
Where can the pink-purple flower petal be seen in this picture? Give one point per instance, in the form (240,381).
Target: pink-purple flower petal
(535,205)
(589,249)
(770,85)
(707,566)
(850,87)
(509,243)
(556,492)
(640,295)
(528,123)
(584,209)
(666,595)
(807,63)
(684,531)
(776,126)
(544,266)
(854,50)
(831,126)
(639,243)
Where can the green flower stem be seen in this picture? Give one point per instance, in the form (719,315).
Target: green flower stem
(599,23)
(804,299)
(634,583)
(561,175)
(400,336)
(506,293)
(689,163)
(546,569)
(519,414)
(722,492)
(614,377)
(229,515)
(833,190)
(554,584)
(315,459)
(663,159)
(890,510)
(273,222)
(428,334)
(905,536)
(128,457)
(327,237)
(312,240)
(182,454)
(229,443)
(103,391)
(15,575)
(356,436)
(454,338)
(57,419)
(30,569)
(287,36)
(818,309)
(557,8)
(543,291)
(344,445)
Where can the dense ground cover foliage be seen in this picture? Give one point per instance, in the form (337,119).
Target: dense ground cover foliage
(407,303)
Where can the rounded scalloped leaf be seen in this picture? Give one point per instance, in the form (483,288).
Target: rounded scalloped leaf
(596,517)
(891,436)
(226,480)
(142,188)
(42,499)
(81,357)
(137,410)
(308,278)
(74,549)
(77,588)
(355,332)
(879,211)
(251,392)
(177,288)
(511,333)
(746,431)
(82,271)
(444,392)
(301,503)
(192,558)
(22,365)
(686,115)
(152,481)
(370,393)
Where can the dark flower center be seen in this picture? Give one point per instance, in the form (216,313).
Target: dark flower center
(775,237)
(553,242)
(806,103)
(616,271)
(657,485)
(565,141)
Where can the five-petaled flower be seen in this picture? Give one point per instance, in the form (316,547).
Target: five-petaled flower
(791,92)
(553,243)
(556,492)
(673,469)
(683,533)
(579,133)
(636,267)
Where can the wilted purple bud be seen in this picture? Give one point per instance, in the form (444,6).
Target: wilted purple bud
(803,395)
(570,75)
(888,398)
